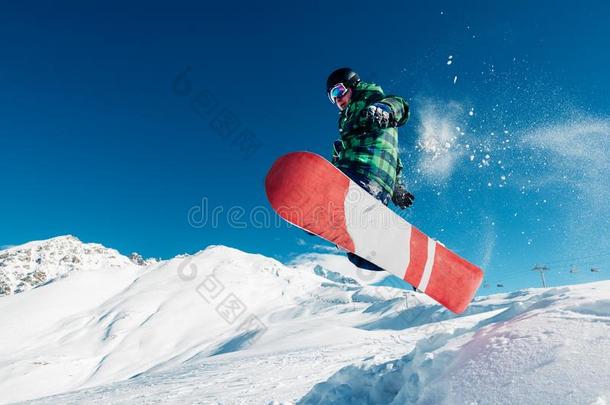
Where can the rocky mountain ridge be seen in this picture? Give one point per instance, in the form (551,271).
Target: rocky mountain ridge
(35,263)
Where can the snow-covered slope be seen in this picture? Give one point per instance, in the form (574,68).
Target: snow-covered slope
(337,265)
(231,327)
(542,346)
(35,263)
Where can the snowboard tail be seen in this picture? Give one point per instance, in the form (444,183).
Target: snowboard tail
(309,192)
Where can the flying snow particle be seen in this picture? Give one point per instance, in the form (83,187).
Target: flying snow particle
(454,79)
(471,112)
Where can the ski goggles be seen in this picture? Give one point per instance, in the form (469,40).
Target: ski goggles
(337,91)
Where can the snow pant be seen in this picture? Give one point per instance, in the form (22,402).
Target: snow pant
(379,193)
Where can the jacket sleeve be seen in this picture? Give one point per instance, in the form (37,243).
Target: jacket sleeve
(400,108)
(337,149)
(371,93)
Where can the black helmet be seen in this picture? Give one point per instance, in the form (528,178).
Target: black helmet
(343,75)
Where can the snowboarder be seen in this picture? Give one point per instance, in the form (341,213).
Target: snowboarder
(367,148)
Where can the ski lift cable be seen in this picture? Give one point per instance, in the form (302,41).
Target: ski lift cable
(573,262)
(521,273)
(568,264)
(578,258)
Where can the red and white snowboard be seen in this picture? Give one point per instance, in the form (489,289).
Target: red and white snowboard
(308,191)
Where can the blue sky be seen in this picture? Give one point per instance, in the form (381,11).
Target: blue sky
(506,150)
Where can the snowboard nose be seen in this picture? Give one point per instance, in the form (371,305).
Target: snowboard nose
(309,192)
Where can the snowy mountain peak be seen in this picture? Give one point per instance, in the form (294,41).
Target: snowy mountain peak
(138,259)
(34,263)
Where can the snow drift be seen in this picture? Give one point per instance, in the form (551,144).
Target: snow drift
(542,346)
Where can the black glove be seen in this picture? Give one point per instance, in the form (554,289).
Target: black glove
(378,115)
(401,197)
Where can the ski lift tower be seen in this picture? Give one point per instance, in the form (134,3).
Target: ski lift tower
(541,269)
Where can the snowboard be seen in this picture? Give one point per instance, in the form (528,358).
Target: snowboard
(309,192)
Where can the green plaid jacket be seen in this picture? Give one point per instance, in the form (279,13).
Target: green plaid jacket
(372,152)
